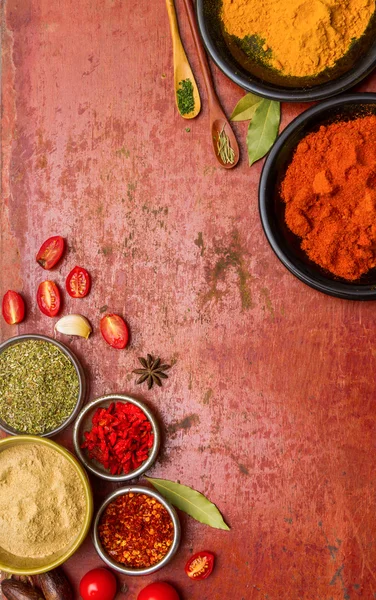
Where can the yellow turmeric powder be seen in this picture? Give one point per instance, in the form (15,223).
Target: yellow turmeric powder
(299,37)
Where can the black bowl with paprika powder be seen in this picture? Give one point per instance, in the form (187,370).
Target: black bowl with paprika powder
(243,61)
(136,531)
(283,241)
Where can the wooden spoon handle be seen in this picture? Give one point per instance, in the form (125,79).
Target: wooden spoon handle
(201,52)
(174,26)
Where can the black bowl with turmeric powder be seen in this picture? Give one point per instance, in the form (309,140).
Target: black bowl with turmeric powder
(290,50)
(317,197)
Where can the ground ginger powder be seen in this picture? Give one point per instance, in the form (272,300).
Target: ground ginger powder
(42,501)
(300,38)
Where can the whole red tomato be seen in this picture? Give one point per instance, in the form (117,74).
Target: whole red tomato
(98,584)
(158,591)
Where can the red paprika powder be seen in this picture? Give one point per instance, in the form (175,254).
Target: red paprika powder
(330,195)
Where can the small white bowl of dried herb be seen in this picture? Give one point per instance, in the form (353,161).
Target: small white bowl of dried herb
(42,386)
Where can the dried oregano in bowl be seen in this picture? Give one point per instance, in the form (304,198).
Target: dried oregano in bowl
(39,387)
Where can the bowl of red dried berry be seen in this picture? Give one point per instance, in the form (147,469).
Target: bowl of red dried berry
(136,531)
(116,437)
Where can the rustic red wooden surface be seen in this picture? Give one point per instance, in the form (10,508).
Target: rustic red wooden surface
(269,410)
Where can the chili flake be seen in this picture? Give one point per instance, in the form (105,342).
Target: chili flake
(121,437)
(136,530)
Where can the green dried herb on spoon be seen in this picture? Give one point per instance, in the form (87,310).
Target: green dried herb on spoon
(185,97)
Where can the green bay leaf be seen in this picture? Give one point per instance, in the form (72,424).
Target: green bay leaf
(263,129)
(246,107)
(191,502)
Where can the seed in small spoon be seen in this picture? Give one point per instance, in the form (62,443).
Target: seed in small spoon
(185,98)
(225,152)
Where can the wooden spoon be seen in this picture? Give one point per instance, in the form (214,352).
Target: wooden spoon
(182,68)
(218,119)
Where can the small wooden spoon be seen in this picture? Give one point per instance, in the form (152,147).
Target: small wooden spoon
(182,68)
(218,119)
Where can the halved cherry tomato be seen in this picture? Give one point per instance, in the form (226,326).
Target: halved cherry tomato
(48,298)
(200,565)
(114,331)
(78,283)
(158,591)
(13,308)
(51,252)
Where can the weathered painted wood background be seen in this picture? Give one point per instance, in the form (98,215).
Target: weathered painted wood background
(270,407)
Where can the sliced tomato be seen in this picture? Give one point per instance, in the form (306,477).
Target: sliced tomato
(115,331)
(48,298)
(78,283)
(51,252)
(13,308)
(200,565)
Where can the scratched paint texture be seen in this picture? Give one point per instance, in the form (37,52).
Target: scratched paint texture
(270,407)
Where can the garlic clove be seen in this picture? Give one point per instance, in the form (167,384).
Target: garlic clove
(74,325)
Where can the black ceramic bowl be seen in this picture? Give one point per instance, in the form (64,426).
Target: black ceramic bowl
(286,244)
(256,78)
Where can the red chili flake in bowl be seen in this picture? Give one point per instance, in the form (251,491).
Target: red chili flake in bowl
(136,530)
(121,437)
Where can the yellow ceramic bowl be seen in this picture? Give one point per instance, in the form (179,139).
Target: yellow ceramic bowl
(13,564)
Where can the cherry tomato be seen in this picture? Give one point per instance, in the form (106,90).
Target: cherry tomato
(13,308)
(158,591)
(98,584)
(51,252)
(114,331)
(78,283)
(200,565)
(48,298)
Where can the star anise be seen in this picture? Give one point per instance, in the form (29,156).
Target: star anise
(152,371)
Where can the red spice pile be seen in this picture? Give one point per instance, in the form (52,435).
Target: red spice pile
(136,530)
(330,196)
(120,438)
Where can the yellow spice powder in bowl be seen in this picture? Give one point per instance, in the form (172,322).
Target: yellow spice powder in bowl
(46,505)
(293,50)
(300,38)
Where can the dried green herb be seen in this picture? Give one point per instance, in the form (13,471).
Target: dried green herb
(224,150)
(185,97)
(38,386)
(152,371)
